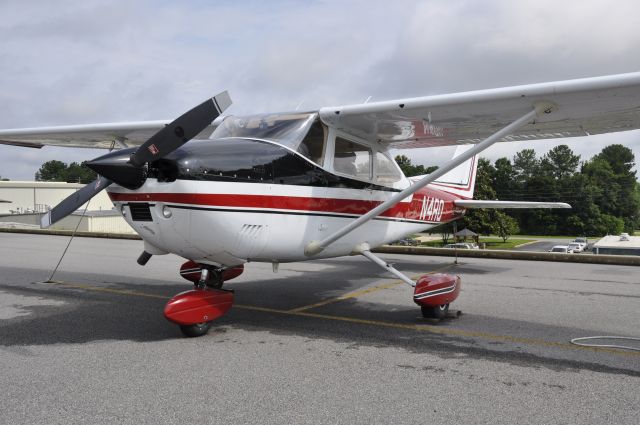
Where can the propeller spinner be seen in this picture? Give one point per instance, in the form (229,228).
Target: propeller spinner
(131,172)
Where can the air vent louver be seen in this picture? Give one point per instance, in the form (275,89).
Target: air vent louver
(140,212)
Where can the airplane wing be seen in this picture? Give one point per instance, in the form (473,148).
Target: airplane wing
(129,134)
(581,107)
(539,111)
(468,203)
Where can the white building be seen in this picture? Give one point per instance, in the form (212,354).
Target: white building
(23,202)
(27,197)
(618,245)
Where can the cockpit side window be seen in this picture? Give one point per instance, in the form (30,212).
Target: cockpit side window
(352,159)
(314,144)
(386,170)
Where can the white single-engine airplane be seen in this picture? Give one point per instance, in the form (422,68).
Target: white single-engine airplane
(222,191)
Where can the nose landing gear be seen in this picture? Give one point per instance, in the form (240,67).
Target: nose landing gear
(195,310)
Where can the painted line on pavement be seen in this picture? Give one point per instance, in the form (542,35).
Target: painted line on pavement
(378,323)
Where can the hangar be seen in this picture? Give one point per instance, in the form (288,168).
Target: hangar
(32,196)
(25,201)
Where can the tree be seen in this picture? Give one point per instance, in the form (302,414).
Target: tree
(604,192)
(560,162)
(619,157)
(615,186)
(407,168)
(52,171)
(446,230)
(504,178)
(480,220)
(61,172)
(525,164)
(80,173)
(610,225)
(505,225)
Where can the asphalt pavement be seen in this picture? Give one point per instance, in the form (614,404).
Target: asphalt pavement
(330,341)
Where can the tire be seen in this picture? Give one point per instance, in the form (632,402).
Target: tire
(195,330)
(439,312)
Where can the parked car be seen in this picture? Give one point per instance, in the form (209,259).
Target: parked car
(462,245)
(562,249)
(575,247)
(584,242)
(407,242)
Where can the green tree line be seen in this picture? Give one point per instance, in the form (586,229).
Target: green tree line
(603,192)
(58,171)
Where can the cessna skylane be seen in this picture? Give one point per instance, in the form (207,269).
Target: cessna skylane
(222,191)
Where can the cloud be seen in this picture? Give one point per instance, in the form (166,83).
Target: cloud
(100,61)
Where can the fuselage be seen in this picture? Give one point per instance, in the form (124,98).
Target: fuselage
(228,201)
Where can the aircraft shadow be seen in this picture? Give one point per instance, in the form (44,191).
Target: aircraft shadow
(91,315)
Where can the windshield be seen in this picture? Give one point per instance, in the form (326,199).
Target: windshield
(301,132)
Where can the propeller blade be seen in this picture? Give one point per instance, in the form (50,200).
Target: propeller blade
(181,130)
(131,174)
(73,202)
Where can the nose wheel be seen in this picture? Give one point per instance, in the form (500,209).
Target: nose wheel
(195,310)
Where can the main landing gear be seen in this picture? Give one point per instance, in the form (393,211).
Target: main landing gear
(195,310)
(432,292)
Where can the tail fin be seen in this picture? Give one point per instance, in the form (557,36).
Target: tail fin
(460,181)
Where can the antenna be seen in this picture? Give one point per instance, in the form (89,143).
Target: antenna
(368,99)
(299,104)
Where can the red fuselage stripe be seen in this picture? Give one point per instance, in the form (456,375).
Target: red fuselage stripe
(406,210)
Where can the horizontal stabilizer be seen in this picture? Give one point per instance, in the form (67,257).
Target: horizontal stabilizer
(508,204)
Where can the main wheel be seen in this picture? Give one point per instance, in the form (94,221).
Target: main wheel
(439,312)
(198,329)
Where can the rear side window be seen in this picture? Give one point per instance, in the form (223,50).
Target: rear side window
(386,170)
(352,159)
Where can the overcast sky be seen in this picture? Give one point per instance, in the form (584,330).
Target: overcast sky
(70,62)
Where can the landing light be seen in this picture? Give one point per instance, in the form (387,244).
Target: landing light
(166,212)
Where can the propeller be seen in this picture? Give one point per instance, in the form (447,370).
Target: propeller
(131,172)
(73,202)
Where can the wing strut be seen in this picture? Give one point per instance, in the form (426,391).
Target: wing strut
(365,250)
(315,247)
